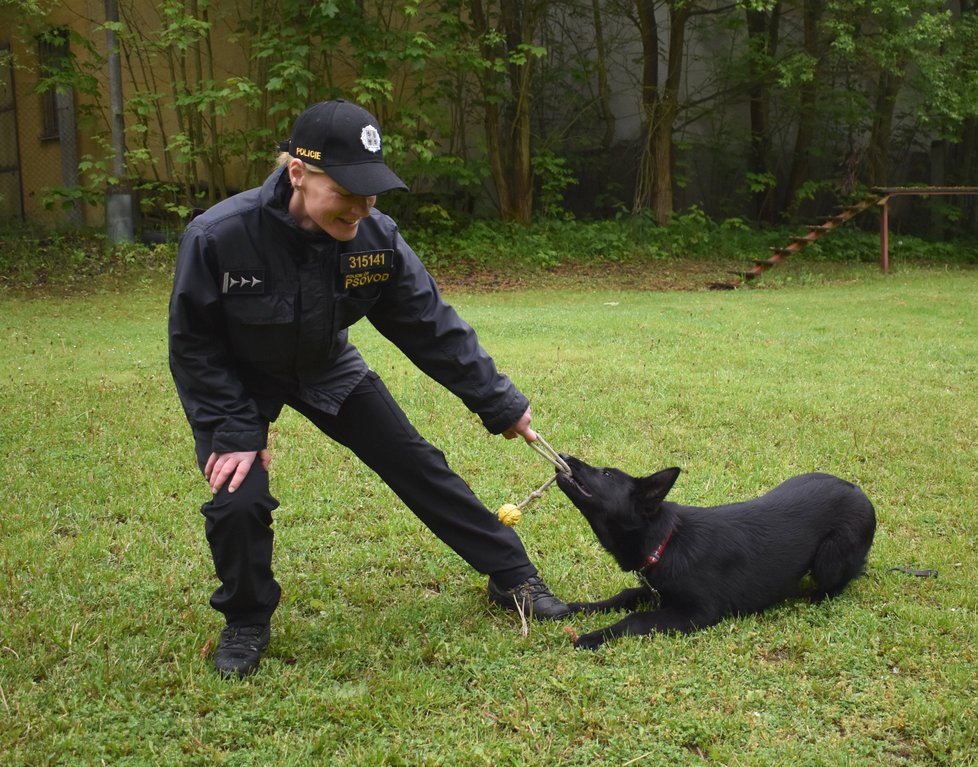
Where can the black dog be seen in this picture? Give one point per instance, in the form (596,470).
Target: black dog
(699,565)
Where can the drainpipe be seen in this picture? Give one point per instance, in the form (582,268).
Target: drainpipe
(64,104)
(118,202)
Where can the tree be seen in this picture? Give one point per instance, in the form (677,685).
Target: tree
(510,99)
(950,82)
(660,105)
(882,38)
(807,75)
(661,94)
(762,41)
(505,34)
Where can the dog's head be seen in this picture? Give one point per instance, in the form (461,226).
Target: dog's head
(620,508)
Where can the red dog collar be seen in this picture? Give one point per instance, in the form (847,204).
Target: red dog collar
(653,559)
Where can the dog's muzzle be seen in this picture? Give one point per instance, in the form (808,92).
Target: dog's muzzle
(568,482)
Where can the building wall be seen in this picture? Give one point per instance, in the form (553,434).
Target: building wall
(40,155)
(10,205)
(47,162)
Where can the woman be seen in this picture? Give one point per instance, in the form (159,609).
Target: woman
(267,283)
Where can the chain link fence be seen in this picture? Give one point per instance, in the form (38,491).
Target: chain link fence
(11,199)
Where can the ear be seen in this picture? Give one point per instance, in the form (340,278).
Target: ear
(655,487)
(296,170)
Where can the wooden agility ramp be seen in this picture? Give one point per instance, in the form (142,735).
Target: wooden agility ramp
(879,197)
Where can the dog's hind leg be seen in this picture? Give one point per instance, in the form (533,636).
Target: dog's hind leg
(837,561)
(666,620)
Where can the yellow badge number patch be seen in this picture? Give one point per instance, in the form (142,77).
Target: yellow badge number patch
(371,267)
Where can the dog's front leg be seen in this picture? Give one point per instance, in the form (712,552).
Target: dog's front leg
(636,624)
(629,599)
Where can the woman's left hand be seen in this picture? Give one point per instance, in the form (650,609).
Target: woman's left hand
(522,429)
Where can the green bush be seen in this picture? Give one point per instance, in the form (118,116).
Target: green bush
(691,236)
(31,256)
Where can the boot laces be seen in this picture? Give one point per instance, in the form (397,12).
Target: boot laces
(241,638)
(534,587)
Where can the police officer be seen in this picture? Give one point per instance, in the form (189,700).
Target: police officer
(267,283)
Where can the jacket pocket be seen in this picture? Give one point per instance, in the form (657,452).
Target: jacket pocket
(262,328)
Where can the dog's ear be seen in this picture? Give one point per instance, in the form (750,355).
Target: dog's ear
(655,487)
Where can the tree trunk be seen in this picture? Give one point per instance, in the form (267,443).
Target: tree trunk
(601,63)
(653,189)
(965,170)
(518,20)
(648,29)
(762,33)
(507,107)
(965,165)
(807,108)
(879,136)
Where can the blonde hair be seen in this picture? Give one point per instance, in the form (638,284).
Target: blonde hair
(285,157)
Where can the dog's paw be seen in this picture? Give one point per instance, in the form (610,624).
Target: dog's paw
(590,641)
(581,607)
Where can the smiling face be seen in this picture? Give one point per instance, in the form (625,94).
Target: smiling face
(320,204)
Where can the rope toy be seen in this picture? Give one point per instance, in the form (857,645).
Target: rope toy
(511,513)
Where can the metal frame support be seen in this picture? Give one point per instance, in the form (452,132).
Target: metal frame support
(905,191)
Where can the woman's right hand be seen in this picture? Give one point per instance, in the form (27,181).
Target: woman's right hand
(222,466)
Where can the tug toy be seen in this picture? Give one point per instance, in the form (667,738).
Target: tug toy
(510,513)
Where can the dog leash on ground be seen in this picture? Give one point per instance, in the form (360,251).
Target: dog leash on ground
(917,573)
(510,513)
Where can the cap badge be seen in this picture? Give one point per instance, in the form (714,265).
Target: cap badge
(370,138)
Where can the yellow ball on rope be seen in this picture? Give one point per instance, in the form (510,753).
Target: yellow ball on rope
(509,514)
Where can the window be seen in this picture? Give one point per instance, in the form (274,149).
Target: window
(52,58)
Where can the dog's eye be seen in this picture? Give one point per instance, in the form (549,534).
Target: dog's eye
(605,473)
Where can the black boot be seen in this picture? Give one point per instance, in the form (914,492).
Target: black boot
(240,649)
(531,597)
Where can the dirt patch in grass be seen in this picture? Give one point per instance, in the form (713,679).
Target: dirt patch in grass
(646,275)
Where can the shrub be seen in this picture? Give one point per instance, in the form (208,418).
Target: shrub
(32,256)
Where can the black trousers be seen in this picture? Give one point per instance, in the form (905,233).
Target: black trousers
(371,424)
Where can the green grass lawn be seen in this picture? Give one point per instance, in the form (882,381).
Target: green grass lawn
(384,649)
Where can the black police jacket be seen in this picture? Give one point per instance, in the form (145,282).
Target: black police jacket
(260,310)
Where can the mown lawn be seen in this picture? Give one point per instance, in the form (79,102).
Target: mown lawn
(384,649)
